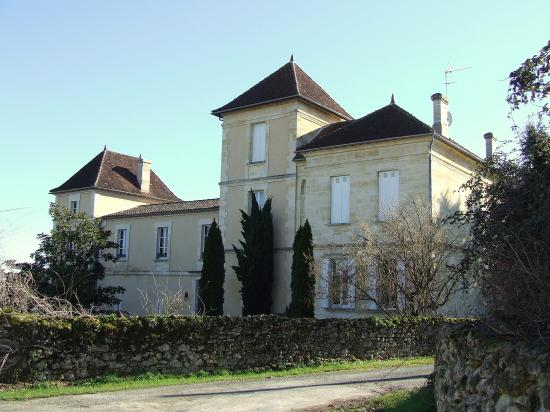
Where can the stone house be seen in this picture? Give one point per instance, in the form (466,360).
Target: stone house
(287,139)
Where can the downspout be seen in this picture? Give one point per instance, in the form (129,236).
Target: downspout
(430,173)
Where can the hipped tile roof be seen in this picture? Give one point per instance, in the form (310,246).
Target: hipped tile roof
(115,171)
(290,81)
(167,208)
(385,123)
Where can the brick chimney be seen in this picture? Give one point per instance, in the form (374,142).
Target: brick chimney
(441,114)
(144,174)
(490,145)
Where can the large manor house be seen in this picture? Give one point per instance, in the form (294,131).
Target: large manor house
(287,139)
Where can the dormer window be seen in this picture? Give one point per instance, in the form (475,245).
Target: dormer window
(257,144)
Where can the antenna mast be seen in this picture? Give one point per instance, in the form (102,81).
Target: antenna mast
(448,71)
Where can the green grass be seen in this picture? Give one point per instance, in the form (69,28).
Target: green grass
(114,383)
(417,400)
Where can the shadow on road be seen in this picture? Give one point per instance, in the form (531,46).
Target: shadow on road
(279,388)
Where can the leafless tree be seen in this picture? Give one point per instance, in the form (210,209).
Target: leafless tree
(19,293)
(402,265)
(163,300)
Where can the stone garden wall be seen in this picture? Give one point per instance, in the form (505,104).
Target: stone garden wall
(478,372)
(40,348)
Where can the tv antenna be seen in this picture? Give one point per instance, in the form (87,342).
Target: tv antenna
(448,71)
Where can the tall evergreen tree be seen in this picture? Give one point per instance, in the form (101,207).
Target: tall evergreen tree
(255,259)
(302,284)
(212,274)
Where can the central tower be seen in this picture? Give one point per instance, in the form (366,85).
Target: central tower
(259,132)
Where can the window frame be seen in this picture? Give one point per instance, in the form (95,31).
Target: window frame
(125,242)
(332,269)
(166,245)
(260,204)
(204,237)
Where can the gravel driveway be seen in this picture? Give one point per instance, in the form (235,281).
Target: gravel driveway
(277,394)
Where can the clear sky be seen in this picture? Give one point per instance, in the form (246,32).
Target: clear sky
(143,76)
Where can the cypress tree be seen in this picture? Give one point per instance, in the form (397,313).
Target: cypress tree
(255,259)
(212,274)
(302,283)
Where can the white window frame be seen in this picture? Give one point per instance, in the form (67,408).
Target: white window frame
(340,195)
(258,143)
(166,245)
(261,202)
(126,242)
(205,228)
(330,265)
(74,199)
(383,208)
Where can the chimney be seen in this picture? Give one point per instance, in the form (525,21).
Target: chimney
(441,114)
(144,174)
(490,145)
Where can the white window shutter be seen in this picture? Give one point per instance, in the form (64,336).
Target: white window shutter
(340,194)
(335,200)
(388,192)
(258,142)
(345,192)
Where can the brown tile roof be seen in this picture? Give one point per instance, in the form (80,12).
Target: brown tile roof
(169,208)
(290,81)
(115,171)
(385,123)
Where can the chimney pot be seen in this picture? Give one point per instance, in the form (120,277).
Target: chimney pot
(490,144)
(144,174)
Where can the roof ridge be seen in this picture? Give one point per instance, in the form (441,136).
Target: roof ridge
(295,77)
(100,169)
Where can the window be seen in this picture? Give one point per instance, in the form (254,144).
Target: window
(339,199)
(74,202)
(257,144)
(162,242)
(260,198)
(122,243)
(388,192)
(198,304)
(204,236)
(340,283)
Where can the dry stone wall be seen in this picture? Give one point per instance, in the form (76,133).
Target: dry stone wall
(41,348)
(475,371)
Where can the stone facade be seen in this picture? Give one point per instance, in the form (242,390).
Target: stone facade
(67,349)
(478,372)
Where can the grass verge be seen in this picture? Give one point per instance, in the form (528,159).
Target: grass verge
(150,380)
(416,400)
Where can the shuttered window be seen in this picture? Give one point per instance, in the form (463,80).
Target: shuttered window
(257,147)
(339,198)
(388,192)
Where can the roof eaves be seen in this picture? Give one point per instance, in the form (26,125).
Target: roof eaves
(54,192)
(218,112)
(458,146)
(166,212)
(361,143)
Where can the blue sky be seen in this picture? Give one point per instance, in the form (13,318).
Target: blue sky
(142,77)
